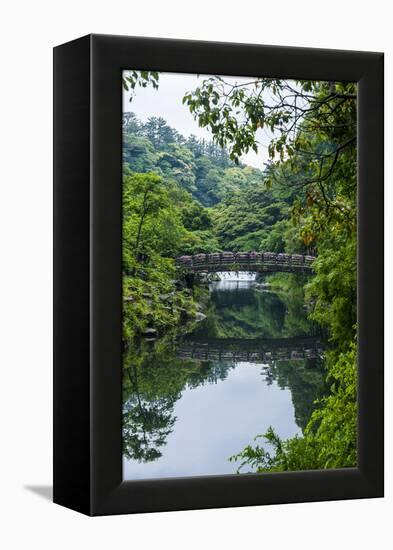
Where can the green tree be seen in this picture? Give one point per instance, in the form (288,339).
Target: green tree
(139,79)
(146,423)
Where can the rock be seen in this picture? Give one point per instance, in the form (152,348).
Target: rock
(149,332)
(262,285)
(164,297)
(199,316)
(184,313)
(178,284)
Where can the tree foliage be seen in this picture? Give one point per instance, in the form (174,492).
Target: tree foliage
(135,79)
(156,228)
(202,168)
(312,128)
(330,437)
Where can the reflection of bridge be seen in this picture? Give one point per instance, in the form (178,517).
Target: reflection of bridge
(259,350)
(246,261)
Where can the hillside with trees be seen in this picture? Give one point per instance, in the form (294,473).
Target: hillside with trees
(185,196)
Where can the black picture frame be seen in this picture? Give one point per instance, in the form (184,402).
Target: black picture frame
(87,274)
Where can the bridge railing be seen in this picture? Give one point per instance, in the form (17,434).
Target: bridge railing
(202,353)
(229,259)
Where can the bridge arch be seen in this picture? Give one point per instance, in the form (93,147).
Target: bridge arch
(259,350)
(260,262)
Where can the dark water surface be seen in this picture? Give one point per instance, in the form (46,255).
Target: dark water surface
(191,403)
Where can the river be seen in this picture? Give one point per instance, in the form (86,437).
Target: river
(192,402)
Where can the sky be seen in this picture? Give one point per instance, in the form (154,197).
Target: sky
(166,102)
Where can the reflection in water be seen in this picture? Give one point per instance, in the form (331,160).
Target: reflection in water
(261,365)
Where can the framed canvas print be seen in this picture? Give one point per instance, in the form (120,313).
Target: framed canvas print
(218,275)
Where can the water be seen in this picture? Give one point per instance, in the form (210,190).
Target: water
(192,402)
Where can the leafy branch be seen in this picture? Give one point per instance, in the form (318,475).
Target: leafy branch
(134,79)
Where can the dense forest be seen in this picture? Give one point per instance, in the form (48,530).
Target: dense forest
(188,195)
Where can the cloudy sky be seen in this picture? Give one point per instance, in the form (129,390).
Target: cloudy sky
(166,102)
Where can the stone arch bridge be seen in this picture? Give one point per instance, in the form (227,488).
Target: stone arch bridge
(261,262)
